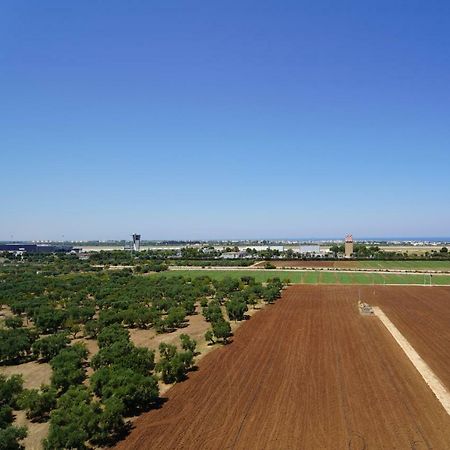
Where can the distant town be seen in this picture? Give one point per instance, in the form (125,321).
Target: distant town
(240,248)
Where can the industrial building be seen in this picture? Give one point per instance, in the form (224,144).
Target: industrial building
(311,250)
(35,248)
(314,251)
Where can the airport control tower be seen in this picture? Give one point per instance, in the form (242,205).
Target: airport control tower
(136,242)
(348,246)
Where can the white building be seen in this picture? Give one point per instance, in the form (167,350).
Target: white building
(310,250)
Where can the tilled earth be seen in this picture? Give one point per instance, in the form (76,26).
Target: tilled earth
(308,372)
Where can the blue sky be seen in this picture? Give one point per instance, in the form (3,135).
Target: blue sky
(224,119)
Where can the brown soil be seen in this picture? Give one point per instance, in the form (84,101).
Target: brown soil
(196,328)
(34,373)
(422,315)
(295,264)
(36,431)
(306,373)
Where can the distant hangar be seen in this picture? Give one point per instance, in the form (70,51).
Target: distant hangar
(35,248)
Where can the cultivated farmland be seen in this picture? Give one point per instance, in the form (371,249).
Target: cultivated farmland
(411,265)
(315,276)
(422,315)
(309,372)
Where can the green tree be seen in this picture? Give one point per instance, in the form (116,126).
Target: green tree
(6,416)
(213,312)
(72,327)
(222,330)
(136,391)
(187,343)
(38,403)
(125,354)
(175,317)
(48,347)
(209,336)
(252,299)
(48,319)
(111,424)
(13,321)
(10,437)
(15,344)
(271,293)
(236,309)
(74,422)
(91,329)
(112,333)
(10,389)
(68,367)
(172,364)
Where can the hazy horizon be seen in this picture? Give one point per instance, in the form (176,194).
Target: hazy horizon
(304,239)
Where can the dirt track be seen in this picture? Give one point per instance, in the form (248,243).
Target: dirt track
(306,373)
(422,314)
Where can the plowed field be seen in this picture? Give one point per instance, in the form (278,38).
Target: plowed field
(422,314)
(297,263)
(306,373)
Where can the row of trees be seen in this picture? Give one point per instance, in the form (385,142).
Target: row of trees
(10,391)
(51,310)
(235,297)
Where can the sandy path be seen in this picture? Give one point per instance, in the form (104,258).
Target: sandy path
(425,371)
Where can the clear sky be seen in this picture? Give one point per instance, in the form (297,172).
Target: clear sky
(224,119)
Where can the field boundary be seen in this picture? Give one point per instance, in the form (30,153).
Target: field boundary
(422,367)
(312,269)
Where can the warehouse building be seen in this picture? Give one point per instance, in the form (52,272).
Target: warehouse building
(35,248)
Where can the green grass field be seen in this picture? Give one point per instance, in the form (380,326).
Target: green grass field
(317,277)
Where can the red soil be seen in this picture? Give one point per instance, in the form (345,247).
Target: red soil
(306,373)
(422,314)
(297,263)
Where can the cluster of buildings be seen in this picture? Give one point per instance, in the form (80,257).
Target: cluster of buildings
(250,251)
(37,248)
(316,251)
